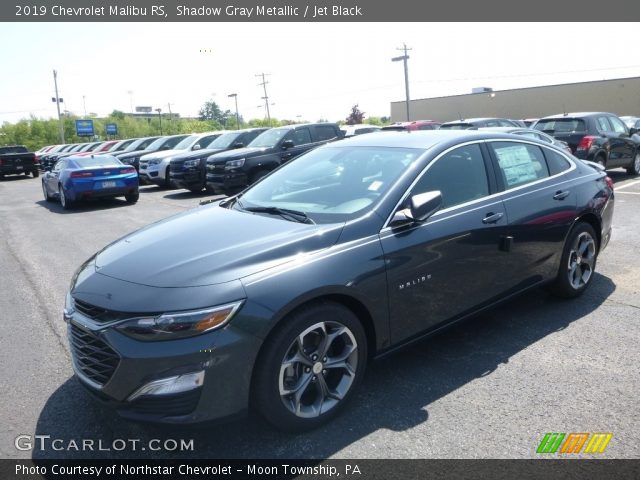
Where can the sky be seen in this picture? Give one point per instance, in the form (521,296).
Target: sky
(316,70)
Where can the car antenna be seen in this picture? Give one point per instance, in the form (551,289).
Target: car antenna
(564,110)
(460,116)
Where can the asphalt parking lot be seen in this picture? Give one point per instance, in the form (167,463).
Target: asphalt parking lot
(488,388)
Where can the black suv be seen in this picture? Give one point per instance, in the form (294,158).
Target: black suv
(189,169)
(229,171)
(597,136)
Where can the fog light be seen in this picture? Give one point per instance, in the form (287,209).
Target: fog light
(171,385)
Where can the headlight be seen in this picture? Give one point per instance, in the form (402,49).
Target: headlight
(170,326)
(154,161)
(192,163)
(235,163)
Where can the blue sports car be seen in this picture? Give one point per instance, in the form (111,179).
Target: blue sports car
(76,178)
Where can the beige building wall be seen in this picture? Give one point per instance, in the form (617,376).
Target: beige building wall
(621,96)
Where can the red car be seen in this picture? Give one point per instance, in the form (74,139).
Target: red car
(103,147)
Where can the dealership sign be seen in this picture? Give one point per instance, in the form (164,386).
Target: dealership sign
(84,128)
(112,129)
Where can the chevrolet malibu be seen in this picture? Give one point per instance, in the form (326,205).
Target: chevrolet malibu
(275,299)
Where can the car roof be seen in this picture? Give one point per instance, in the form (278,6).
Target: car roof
(577,114)
(471,120)
(423,139)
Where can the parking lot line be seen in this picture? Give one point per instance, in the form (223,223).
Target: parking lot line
(627,185)
(630,193)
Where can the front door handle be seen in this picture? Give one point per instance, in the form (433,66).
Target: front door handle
(561,195)
(492,217)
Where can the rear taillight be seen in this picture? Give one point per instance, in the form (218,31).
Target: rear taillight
(586,142)
(128,170)
(609,182)
(81,174)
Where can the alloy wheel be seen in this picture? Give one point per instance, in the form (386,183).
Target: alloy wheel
(318,369)
(582,258)
(636,163)
(63,199)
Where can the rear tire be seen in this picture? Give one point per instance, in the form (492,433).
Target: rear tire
(35,173)
(601,159)
(578,262)
(634,169)
(64,201)
(47,197)
(132,197)
(310,367)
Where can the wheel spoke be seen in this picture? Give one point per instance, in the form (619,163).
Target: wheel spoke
(299,388)
(329,339)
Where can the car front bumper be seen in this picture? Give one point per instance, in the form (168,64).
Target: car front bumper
(225,356)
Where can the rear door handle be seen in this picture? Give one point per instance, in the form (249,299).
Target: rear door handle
(561,195)
(492,217)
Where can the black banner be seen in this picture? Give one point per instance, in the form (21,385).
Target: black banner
(315,11)
(319,469)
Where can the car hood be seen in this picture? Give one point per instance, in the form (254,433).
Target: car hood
(237,153)
(210,245)
(134,153)
(161,154)
(205,152)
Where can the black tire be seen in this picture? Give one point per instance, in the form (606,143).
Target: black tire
(316,375)
(167,179)
(576,269)
(64,201)
(132,197)
(601,159)
(258,175)
(35,173)
(45,193)
(634,168)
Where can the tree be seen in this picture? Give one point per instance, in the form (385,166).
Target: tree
(211,111)
(356,116)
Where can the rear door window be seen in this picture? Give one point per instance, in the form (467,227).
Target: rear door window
(325,132)
(519,163)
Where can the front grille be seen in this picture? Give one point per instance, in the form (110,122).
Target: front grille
(99,314)
(167,405)
(94,358)
(215,167)
(176,167)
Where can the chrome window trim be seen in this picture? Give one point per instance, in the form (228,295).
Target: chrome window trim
(497,194)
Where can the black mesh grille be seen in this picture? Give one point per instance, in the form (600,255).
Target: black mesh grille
(94,358)
(176,166)
(167,405)
(102,315)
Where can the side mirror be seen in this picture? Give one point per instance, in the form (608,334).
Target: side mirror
(421,207)
(238,145)
(287,144)
(165,147)
(196,147)
(633,131)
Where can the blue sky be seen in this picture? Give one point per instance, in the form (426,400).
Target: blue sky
(317,70)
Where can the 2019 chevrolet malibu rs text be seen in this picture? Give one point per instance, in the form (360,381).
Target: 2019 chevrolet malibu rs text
(275,299)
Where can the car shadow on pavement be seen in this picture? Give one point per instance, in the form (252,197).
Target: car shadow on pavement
(396,393)
(85,205)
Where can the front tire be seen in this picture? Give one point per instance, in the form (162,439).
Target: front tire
(634,169)
(578,262)
(310,367)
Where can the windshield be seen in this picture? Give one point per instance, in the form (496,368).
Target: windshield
(224,141)
(186,143)
(158,143)
(561,125)
(97,161)
(332,184)
(270,138)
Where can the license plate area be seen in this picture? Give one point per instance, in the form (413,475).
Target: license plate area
(109,184)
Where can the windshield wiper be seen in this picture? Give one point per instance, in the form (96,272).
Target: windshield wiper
(294,215)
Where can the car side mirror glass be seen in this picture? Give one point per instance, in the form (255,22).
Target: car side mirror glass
(421,207)
(238,145)
(196,147)
(633,131)
(287,144)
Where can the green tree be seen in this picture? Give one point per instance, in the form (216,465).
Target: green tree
(212,112)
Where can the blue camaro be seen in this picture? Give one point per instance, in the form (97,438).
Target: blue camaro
(76,178)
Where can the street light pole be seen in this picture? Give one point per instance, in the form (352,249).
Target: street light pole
(58,100)
(235,96)
(404,59)
(159,110)
(84,105)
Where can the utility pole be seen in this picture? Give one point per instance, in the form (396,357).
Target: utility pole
(266,97)
(235,96)
(58,101)
(84,105)
(130,92)
(159,110)
(404,59)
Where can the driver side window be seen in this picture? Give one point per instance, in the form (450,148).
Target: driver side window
(460,175)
